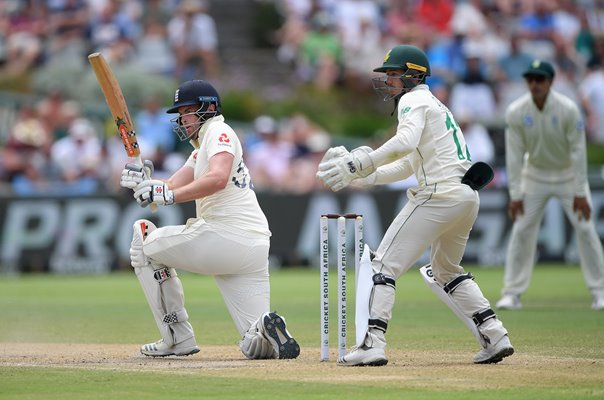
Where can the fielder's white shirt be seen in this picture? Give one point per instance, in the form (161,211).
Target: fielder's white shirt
(235,208)
(546,145)
(428,143)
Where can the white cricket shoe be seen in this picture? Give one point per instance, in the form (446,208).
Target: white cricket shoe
(279,337)
(364,356)
(509,302)
(160,349)
(494,353)
(598,304)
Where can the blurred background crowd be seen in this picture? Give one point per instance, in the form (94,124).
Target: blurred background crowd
(294,76)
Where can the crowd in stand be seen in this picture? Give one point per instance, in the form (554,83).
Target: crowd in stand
(477,50)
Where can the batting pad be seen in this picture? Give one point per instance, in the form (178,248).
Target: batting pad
(428,276)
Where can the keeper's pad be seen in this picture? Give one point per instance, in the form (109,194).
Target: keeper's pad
(375,299)
(444,295)
(364,285)
(162,289)
(254,344)
(478,176)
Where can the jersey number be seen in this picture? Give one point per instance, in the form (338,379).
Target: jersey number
(451,124)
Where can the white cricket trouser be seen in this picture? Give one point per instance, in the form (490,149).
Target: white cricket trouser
(520,259)
(238,263)
(444,224)
(425,221)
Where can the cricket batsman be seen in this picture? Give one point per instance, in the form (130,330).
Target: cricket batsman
(229,237)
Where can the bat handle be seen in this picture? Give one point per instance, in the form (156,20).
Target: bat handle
(153,206)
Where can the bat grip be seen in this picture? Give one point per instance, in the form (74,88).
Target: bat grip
(139,160)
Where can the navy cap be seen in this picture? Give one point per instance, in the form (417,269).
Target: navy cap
(542,68)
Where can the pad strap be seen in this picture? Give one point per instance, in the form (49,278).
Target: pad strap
(451,286)
(481,317)
(161,274)
(176,316)
(378,324)
(381,279)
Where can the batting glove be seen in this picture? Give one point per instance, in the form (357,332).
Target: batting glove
(337,173)
(134,174)
(153,191)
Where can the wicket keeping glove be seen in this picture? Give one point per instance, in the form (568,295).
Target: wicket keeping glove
(153,191)
(337,173)
(134,174)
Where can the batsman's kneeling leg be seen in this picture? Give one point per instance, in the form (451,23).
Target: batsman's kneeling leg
(164,293)
(268,337)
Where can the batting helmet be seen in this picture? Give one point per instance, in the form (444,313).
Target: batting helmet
(195,92)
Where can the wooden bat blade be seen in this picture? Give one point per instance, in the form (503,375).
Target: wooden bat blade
(116,103)
(114,97)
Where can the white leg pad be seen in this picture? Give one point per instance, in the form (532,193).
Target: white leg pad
(428,276)
(162,289)
(254,344)
(466,300)
(364,284)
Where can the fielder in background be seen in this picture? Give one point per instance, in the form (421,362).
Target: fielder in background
(440,212)
(229,238)
(545,158)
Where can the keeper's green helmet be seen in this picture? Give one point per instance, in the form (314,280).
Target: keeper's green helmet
(405,57)
(414,65)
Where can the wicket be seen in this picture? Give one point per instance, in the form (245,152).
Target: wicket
(341,267)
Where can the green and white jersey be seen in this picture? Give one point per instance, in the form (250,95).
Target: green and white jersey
(235,208)
(548,145)
(428,139)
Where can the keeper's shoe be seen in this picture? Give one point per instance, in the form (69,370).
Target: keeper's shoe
(364,356)
(161,349)
(509,302)
(598,303)
(494,353)
(279,337)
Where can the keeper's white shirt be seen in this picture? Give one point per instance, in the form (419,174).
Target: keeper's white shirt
(428,143)
(234,208)
(546,145)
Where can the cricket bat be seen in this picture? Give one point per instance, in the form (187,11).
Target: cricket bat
(118,107)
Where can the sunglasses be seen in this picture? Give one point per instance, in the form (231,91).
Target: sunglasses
(535,78)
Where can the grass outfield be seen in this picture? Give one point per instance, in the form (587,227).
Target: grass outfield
(77,337)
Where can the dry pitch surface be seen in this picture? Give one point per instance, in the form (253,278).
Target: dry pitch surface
(417,369)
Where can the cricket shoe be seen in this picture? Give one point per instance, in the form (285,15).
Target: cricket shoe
(598,303)
(276,333)
(161,349)
(494,353)
(509,302)
(364,356)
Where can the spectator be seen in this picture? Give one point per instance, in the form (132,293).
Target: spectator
(511,65)
(68,21)
(268,160)
(25,159)
(478,140)
(320,58)
(194,41)
(25,29)
(435,16)
(77,155)
(155,130)
(113,32)
(473,96)
(591,91)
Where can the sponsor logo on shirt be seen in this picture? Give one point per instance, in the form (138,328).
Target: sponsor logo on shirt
(223,140)
(527,121)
